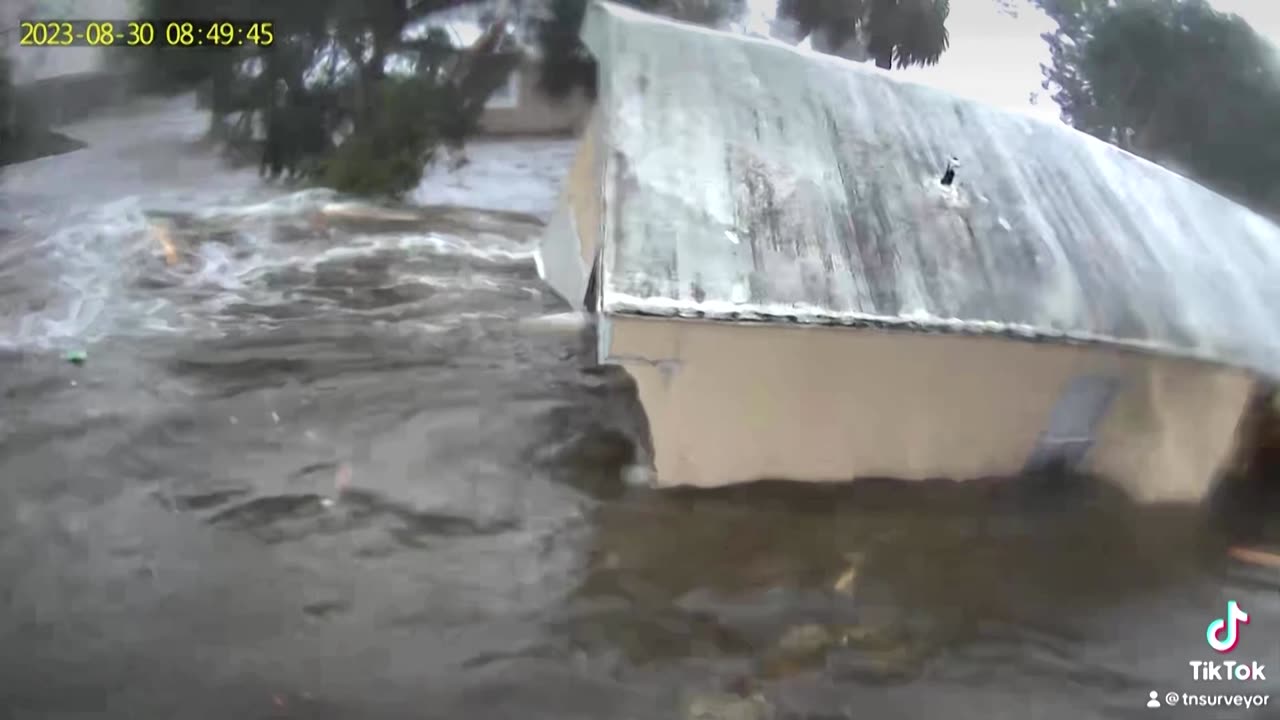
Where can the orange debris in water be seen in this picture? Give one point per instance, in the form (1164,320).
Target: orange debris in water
(1255,557)
(161,233)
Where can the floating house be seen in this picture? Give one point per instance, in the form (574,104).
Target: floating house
(817,271)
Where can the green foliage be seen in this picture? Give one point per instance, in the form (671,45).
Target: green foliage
(327,73)
(838,19)
(1062,76)
(567,64)
(899,33)
(1176,82)
(387,156)
(166,70)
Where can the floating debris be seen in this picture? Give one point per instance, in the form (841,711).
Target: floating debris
(800,649)
(1254,556)
(844,584)
(805,640)
(342,478)
(567,323)
(358,211)
(76,357)
(163,235)
(849,578)
(728,707)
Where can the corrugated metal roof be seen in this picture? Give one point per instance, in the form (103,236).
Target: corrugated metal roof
(745,179)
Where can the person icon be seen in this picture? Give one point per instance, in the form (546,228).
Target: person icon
(1154,702)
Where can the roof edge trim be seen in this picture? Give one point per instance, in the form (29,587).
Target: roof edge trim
(801,316)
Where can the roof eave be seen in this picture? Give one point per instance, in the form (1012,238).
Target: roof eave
(800,316)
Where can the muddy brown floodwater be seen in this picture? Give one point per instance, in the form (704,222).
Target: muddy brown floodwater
(316,467)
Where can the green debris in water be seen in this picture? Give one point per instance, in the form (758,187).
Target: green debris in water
(77,357)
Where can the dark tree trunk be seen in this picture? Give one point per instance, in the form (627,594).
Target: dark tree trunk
(220,82)
(880,47)
(362,90)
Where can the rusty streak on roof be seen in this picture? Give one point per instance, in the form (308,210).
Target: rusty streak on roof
(744,179)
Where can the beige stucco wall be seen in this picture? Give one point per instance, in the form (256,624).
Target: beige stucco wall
(732,403)
(535,113)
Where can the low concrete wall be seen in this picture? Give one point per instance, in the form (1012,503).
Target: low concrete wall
(64,99)
(61,85)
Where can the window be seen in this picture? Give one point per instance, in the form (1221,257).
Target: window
(1073,422)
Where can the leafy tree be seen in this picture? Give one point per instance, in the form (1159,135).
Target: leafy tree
(323,89)
(1176,82)
(567,64)
(894,33)
(389,157)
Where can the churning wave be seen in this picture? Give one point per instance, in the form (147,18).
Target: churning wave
(135,268)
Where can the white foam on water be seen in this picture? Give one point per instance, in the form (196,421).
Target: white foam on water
(83,266)
(453,245)
(566,323)
(219,268)
(293,204)
(110,276)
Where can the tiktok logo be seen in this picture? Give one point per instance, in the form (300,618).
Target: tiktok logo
(1223,633)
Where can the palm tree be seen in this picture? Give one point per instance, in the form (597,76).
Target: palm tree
(897,33)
